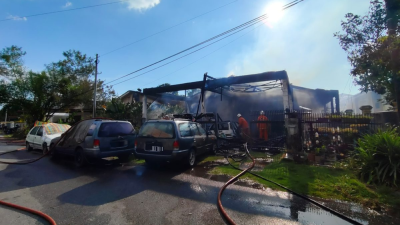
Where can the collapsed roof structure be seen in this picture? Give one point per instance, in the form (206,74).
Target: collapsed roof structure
(246,94)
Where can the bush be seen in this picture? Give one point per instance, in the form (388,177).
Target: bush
(20,133)
(378,156)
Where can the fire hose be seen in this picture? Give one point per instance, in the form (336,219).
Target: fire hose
(231,222)
(233,179)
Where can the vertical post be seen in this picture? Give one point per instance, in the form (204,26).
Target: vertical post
(95,87)
(332,109)
(144,109)
(5,119)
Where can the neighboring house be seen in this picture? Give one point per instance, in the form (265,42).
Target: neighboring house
(354,102)
(134,96)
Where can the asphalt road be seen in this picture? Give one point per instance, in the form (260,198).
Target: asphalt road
(106,194)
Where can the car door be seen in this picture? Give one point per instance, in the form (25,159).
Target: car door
(206,142)
(198,138)
(39,138)
(31,136)
(186,135)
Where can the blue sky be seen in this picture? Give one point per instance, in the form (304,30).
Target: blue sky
(299,40)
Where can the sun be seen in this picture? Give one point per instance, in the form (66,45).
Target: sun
(274,12)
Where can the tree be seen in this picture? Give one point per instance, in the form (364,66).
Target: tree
(370,51)
(116,109)
(62,85)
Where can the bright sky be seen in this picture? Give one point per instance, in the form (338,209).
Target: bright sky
(299,40)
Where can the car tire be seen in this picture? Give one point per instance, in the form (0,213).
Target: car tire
(191,158)
(214,149)
(150,163)
(45,149)
(28,147)
(80,160)
(124,158)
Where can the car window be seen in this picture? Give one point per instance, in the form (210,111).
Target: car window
(194,129)
(40,131)
(114,129)
(157,130)
(184,130)
(202,131)
(34,130)
(91,130)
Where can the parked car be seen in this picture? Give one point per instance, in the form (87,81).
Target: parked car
(178,140)
(96,139)
(41,137)
(225,130)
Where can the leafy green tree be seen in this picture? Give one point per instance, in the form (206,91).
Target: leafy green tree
(369,49)
(63,85)
(132,112)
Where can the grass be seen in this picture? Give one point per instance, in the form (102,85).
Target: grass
(322,182)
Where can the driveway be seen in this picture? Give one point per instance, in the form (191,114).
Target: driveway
(107,194)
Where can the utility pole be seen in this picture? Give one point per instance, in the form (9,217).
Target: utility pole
(392,19)
(5,119)
(95,86)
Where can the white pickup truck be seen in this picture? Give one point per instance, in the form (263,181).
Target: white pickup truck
(40,137)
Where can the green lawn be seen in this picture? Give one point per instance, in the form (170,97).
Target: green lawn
(323,182)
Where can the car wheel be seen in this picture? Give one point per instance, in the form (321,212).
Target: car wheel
(150,162)
(214,149)
(124,158)
(80,160)
(28,147)
(191,158)
(45,149)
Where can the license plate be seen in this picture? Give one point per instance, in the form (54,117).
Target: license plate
(156,149)
(111,158)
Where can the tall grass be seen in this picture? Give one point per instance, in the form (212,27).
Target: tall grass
(378,157)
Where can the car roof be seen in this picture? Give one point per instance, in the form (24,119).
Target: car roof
(168,121)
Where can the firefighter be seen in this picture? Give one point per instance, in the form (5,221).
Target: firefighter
(244,127)
(262,127)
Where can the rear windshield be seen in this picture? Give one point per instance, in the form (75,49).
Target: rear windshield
(157,130)
(114,129)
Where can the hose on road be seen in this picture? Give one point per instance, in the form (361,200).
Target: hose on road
(43,215)
(23,162)
(336,213)
(233,179)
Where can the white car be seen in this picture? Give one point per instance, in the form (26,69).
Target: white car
(225,130)
(40,137)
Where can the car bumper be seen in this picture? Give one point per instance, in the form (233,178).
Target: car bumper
(96,153)
(176,155)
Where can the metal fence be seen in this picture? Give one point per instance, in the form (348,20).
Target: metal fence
(317,129)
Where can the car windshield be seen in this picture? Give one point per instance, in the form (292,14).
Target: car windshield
(157,130)
(113,129)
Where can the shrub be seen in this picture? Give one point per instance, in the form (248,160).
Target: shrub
(378,156)
(21,133)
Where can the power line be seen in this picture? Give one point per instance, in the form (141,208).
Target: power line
(252,22)
(194,46)
(186,54)
(245,25)
(64,10)
(151,35)
(201,57)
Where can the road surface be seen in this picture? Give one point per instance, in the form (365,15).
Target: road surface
(106,194)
